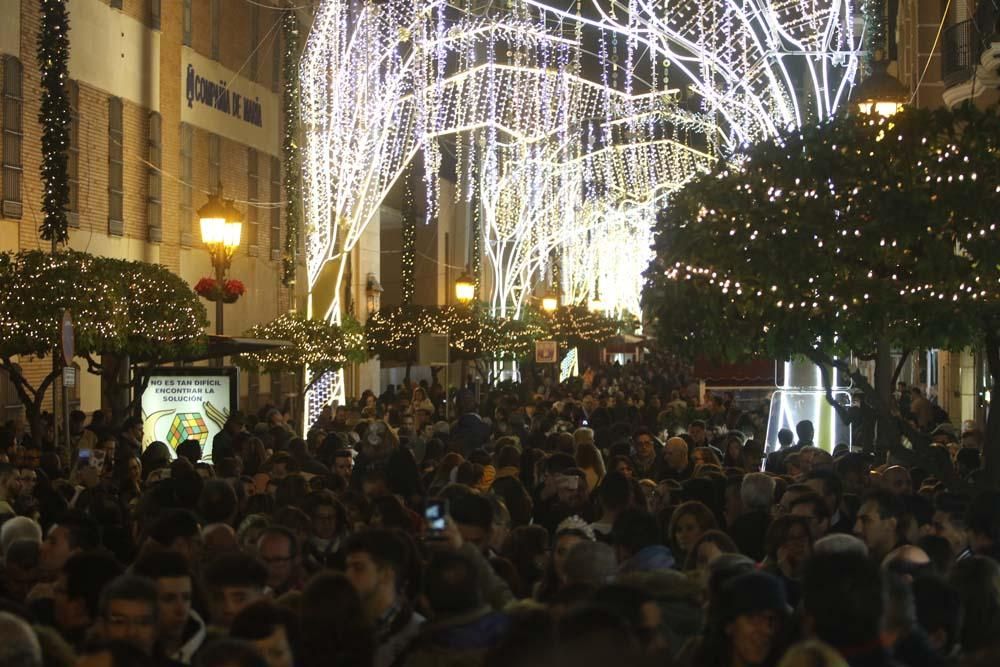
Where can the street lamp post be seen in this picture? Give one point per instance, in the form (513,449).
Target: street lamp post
(220,231)
(881,93)
(550,301)
(465,289)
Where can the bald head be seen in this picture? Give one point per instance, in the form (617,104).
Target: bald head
(675,451)
(906,561)
(219,538)
(896,480)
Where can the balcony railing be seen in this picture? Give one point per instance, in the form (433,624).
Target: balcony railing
(963,43)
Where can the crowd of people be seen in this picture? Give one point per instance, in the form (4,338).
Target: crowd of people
(613,520)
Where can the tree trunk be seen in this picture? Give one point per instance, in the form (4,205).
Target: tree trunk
(887,435)
(115,386)
(991,443)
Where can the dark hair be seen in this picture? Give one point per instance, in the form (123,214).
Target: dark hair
(229,653)
(235,570)
(472,509)
(939,607)
(190,450)
(281,531)
(334,630)
(217,503)
(172,525)
(615,491)
(509,457)
(890,506)
(87,574)
(452,583)
(386,548)
(955,505)
(635,530)
(832,484)
(130,587)
(815,501)
(977,580)
(717,537)
(157,564)
(262,618)
(123,653)
(842,593)
(778,531)
(84,533)
(785,437)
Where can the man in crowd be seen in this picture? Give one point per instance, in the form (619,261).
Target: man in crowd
(180,629)
(880,523)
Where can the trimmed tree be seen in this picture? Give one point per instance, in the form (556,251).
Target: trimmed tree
(321,346)
(833,240)
(121,309)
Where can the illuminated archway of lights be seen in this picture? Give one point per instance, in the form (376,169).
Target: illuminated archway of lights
(568,123)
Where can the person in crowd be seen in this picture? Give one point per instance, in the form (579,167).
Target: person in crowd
(638,543)
(688,522)
(180,628)
(881,523)
(334,629)
(272,629)
(379,564)
(676,461)
(232,582)
(750,528)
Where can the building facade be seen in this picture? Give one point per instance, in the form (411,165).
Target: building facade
(171,99)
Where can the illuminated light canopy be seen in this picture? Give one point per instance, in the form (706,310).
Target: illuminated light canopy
(564,124)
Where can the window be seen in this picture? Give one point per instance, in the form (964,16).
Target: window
(73,158)
(254,39)
(154,208)
(214,20)
(252,198)
(214,162)
(276,62)
(13,135)
(187,22)
(187,180)
(116,4)
(154,14)
(116,168)
(11,406)
(275,208)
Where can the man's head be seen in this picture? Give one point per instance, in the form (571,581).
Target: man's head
(129,607)
(233,581)
(473,515)
(752,610)
(377,563)
(278,548)
(806,432)
(813,508)
(343,463)
(644,445)
(78,589)
(452,584)
(785,438)
(633,531)
(178,530)
(20,647)
(939,612)
(675,453)
(172,575)
(950,510)
(9,484)
(842,599)
(697,431)
(757,492)
(880,522)
(271,628)
(828,485)
(614,493)
(896,480)
(132,429)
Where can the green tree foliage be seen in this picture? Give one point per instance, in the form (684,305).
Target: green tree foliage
(320,345)
(834,239)
(120,309)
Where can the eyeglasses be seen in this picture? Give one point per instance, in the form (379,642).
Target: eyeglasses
(126,621)
(274,560)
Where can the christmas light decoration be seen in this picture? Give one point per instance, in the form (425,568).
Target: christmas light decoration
(323,347)
(54,117)
(553,140)
(292,167)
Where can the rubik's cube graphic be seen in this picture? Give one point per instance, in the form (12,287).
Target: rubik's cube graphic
(187,426)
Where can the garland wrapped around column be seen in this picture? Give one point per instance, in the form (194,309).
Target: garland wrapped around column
(54,116)
(290,148)
(408,254)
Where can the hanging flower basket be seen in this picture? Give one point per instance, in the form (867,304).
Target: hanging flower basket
(228,291)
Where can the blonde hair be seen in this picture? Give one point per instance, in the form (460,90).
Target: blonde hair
(812,653)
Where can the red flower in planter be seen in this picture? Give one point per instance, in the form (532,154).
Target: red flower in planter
(234,288)
(207,288)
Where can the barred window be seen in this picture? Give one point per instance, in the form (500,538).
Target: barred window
(13,137)
(214,161)
(187,181)
(154,14)
(254,39)
(116,168)
(154,208)
(187,23)
(214,19)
